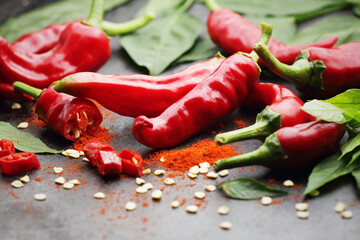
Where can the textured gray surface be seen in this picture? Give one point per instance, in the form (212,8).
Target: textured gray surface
(75,214)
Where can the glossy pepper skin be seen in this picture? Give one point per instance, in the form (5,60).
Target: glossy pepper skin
(9,93)
(132,163)
(137,94)
(291,147)
(18,163)
(283,110)
(319,72)
(92,150)
(6,147)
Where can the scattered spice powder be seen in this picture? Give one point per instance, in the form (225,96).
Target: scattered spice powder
(101,135)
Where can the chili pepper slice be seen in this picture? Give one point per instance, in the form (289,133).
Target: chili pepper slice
(132,163)
(283,110)
(290,147)
(6,147)
(17,163)
(136,94)
(108,163)
(92,151)
(319,72)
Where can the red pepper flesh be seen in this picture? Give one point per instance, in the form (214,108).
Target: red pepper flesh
(18,163)
(132,163)
(6,148)
(92,151)
(109,163)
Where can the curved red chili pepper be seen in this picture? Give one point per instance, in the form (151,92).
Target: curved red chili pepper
(217,95)
(136,94)
(17,163)
(319,72)
(291,147)
(283,110)
(6,148)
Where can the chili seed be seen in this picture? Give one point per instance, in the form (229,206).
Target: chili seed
(81,153)
(159,172)
(194,170)
(146,171)
(191,175)
(25,179)
(203,170)
(99,195)
(75,181)
(169,181)
(162,159)
(340,207)
(156,195)
(17,184)
(15,106)
(141,189)
(148,186)
(68,185)
(288,183)
(210,188)
(23,125)
(192,209)
(225,225)
(139,181)
(74,155)
(60,180)
(223,173)
(223,210)
(58,169)
(303,214)
(40,196)
(204,165)
(212,175)
(266,200)
(175,204)
(130,206)
(86,159)
(200,195)
(346,214)
(301,206)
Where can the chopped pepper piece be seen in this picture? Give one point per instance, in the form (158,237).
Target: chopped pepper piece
(6,148)
(132,163)
(17,163)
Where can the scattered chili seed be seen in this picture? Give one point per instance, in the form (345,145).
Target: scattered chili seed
(148,186)
(15,106)
(301,206)
(194,170)
(204,165)
(346,214)
(99,195)
(200,195)
(288,183)
(130,206)
(68,185)
(86,159)
(139,181)
(40,196)
(147,171)
(223,210)
(162,159)
(156,195)
(23,125)
(74,155)
(191,175)
(159,172)
(203,170)
(303,214)
(17,184)
(169,181)
(210,188)
(340,207)
(60,180)
(223,173)
(58,169)
(266,200)
(175,204)
(75,181)
(25,179)
(81,153)
(212,175)
(192,209)
(225,225)
(141,189)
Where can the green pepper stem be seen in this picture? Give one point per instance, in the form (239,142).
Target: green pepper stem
(266,123)
(29,90)
(212,5)
(266,31)
(186,5)
(96,14)
(303,73)
(112,29)
(270,154)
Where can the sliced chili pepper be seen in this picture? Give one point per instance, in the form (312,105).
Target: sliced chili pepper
(71,117)
(132,163)
(109,163)
(291,147)
(319,72)
(136,94)
(92,151)
(6,147)
(17,163)
(233,33)
(283,110)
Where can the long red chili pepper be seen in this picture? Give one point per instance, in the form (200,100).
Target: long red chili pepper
(69,116)
(233,33)
(283,110)
(319,72)
(17,163)
(290,147)
(136,94)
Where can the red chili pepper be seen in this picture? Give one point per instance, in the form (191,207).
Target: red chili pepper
(69,116)
(6,148)
(290,147)
(8,92)
(132,163)
(109,163)
(92,150)
(233,33)
(136,94)
(319,72)
(283,110)
(17,163)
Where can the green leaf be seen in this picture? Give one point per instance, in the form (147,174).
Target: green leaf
(356,175)
(325,111)
(301,10)
(345,27)
(58,12)
(350,146)
(248,188)
(356,10)
(160,7)
(23,141)
(161,42)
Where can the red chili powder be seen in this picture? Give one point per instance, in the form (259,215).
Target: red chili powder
(101,135)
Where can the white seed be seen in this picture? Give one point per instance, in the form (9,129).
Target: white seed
(76,133)
(169,181)
(200,195)
(130,206)
(78,117)
(346,214)
(81,153)
(162,159)
(58,169)
(210,188)
(204,165)
(70,150)
(156,195)
(23,125)
(159,172)
(203,170)
(85,115)
(15,106)
(75,181)
(302,214)
(99,195)
(60,180)
(25,179)
(139,181)
(301,206)
(141,189)
(74,155)
(223,173)
(146,171)
(212,175)
(266,200)
(175,204)
(65,153)
(192,209)
(194,170)
(148,186)
(288,183)
(86,159)
(223,210)
(40,196)
(340,207)
(68,185)
(17,184)
(225,225)
(191,175)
